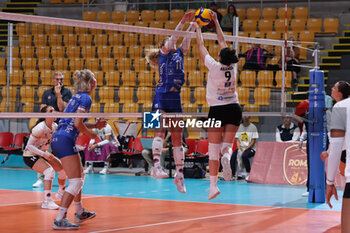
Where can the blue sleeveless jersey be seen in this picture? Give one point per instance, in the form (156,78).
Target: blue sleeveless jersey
(81,101)
(171,71)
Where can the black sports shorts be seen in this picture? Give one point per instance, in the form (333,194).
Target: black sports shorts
(227,114)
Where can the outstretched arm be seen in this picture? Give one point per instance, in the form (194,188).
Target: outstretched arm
(202,50)
(171,42)
(185,45)
(219,32)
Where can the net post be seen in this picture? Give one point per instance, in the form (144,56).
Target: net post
(9,62)
(283,93)
(316,55)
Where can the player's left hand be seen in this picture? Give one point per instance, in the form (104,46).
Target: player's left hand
(187,17)
(195,25)
(213,15)
(100,124)
(324,155)
(330,191)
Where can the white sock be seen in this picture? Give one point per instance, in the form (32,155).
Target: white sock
(213,181)
(79,207)
(179,157)
(61,213)
(106,165)
(47,194)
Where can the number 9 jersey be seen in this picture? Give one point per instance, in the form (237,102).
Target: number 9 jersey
(221,85)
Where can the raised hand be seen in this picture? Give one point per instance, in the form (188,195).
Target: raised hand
(213,15)
(187,17)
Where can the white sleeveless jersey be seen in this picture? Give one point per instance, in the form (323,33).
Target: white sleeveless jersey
(221,85)
(102,133)
(40,138)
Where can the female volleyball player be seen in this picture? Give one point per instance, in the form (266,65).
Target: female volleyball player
(223,101)
(339,92)
(63,147)
(339,129)
(36,156)
(170,63)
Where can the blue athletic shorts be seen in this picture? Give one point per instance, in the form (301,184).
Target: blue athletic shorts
(63,146)
(168,102)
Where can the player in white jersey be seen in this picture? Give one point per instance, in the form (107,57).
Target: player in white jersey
(224,106)
(340,129)
(37,157)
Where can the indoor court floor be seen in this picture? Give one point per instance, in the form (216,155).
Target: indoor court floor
(125,203)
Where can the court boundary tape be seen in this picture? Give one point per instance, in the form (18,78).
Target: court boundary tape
(187,220)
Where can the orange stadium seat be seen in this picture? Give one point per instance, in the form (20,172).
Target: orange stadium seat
(176,15)
(15,51)
(101,40)
(104,51)
(85,39)
(330,25)
(199,95)
(92,64)
(252,108)
(298,24)
(76,64)
(170,25)
(16,78)
(31,77)
(89,15)
(222,11)
(162,15)
(257,34)
(282,13)
(126,94)
(243,95)
(265,78)
(146,78)
(118,16)
(241,13)
(70,40)
(57,52)
(115,39)
(108,64)
(269,13)
(273,35)
(195,78)
(314,25)
(249,25)
(253,13)
(88,52)
(45,78)
(29,63)
(248,78)
(119,51)
(123,64)
(27,51)
(301,12)
(112,78)
(42,52)
(156,24)
(39,40)
(128,78)
(106,94)
(55,40)
(51,29)
(25,40)
(147,15)
(37,28)
(40,92)
(280,25)
(132,16)
(99,77)
(262,96)
(144,94)
(265,25)
(66,30)
(22,29)
(111,108)
(73,52)
(26,94)
(44,63)
(140,64)
(288,79)
(79,30)
(104,16)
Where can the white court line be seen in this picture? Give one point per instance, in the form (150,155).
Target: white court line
(187,220)
(33,202)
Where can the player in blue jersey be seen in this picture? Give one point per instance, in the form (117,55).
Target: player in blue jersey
(63,147)
(169,61)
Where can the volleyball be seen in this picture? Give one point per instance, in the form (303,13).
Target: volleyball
(202,16)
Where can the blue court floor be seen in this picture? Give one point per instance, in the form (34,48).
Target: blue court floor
(233,192)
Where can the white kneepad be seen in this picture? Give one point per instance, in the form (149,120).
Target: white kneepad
(214,151)
(62,175)
(157,145)
(74,186)
(49,174)
(228,146)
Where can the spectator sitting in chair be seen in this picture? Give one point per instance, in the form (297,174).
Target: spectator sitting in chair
(246,136)
(255,58)
(100,152)
(227,21)
(292,58)
(288,131)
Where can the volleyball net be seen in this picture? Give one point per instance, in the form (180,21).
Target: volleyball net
(40,46)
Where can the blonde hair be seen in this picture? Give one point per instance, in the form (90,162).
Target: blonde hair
(82,80)
(152,57)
